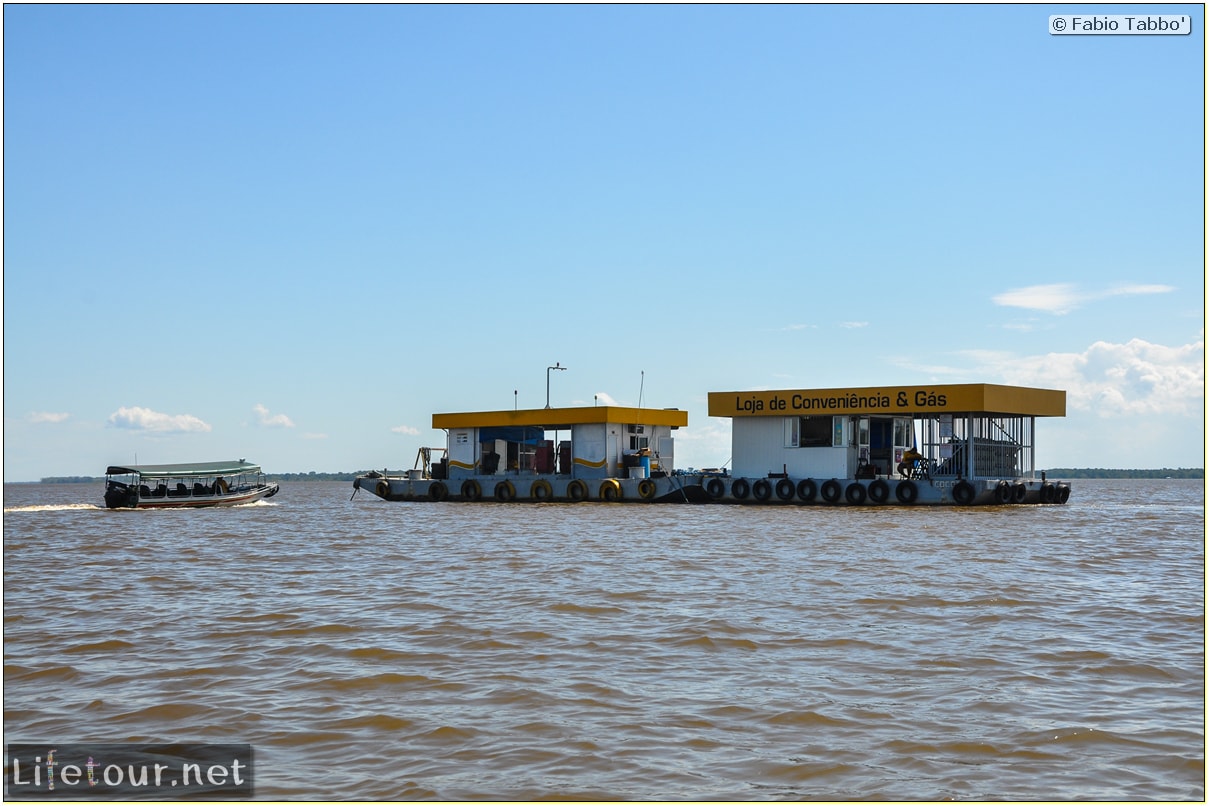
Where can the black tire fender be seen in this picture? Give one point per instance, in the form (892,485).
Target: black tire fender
(964,493)
(831,491)
(807,490)
(879,491)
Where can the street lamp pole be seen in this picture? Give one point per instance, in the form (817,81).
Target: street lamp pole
(556,366)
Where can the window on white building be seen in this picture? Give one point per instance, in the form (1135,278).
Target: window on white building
(814,432)
(638,438)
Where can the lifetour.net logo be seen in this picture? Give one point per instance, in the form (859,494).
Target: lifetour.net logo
(79,771)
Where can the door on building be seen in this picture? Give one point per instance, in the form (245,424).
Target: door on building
(881,442)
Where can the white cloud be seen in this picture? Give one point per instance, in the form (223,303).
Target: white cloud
(704,444)
(854,324)
(48,417)
(137,418)
(1108,379)
(406,429)
(1135,404)
(1133,290)
(604,399)
(1135,378)
(1062,298)
(271,420)
(1056,298)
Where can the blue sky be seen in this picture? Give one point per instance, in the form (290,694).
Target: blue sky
(292,233)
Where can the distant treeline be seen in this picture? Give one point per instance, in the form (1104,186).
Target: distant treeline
(313,476)
(1108,473)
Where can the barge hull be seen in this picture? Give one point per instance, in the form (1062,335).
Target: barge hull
(699,488)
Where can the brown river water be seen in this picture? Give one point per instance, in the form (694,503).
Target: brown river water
(384,651)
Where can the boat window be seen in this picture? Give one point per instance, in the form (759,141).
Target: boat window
(791,431)
(637,441)
(815,432)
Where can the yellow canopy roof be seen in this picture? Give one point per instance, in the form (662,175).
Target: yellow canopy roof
(973,398)
(561,418)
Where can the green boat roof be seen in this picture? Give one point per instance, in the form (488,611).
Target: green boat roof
(229,468)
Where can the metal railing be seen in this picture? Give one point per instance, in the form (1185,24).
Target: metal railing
(978,446)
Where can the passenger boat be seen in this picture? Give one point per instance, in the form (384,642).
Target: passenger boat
(203,484)
(953,444)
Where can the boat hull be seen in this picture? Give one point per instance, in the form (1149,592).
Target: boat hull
(131,500)
(885,491)
(698,488)
(533,489)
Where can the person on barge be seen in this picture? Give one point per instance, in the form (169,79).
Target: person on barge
(907,464)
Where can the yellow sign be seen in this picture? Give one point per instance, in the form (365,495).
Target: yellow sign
(561,418)
(975,398)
